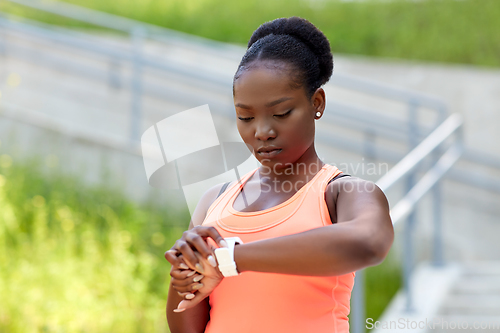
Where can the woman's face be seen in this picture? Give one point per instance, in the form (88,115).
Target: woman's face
(269,113)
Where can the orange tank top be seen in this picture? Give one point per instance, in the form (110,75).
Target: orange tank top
(269,302)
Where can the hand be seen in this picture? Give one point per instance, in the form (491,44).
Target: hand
(196,240)
(190,288)
(182,275)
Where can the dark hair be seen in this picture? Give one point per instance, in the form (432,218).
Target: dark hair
(294,41)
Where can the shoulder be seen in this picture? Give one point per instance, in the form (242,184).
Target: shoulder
(345,195)
(206,200)
(350,184)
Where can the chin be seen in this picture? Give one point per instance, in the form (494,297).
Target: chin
(271,163)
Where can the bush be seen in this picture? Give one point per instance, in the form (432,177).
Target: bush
(433,30)
(77,259)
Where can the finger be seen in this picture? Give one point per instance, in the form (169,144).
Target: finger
(212,233)
(183,266)
(180,263)
(199,245)
(188,255)
(182,274)
(192,287)
(187,295)
(197,236)
(211,260)
(171,256)
(175,259)
(187,304)
(181,283)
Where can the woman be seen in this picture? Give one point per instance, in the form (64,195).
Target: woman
(308,230)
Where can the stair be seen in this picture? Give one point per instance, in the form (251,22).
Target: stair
(473,303)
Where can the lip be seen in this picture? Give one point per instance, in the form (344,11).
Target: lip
(267,149)
(269,152)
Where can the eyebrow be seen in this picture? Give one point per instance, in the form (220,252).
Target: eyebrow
(273,103)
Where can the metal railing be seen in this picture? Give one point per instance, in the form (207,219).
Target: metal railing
(139,32)
(368,121)
(451,128)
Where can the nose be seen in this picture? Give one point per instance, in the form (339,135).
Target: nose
(264,131)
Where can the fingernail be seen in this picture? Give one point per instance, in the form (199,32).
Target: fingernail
(199,268)
(211,261)
(223,243)
(191,274)
(183,266)
(198,278)
(197,286)
(181,306)
(179,310)
(190,296)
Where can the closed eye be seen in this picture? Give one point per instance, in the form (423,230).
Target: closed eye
(283,115)
(245,119)
(276,115)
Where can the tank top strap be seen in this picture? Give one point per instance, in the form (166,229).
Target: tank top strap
(230,189)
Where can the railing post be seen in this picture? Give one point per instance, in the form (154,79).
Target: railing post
(437,214)
(358,303)
(369,144)
(410,222)
(137,36)
(408,261)
(437,249)
(437,256)
(413,128)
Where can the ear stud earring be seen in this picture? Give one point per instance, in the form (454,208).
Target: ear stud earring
(318,114)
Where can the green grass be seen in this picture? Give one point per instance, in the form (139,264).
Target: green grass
(381,284)
(449,31)
(76,258)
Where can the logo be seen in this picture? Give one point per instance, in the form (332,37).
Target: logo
(183,152)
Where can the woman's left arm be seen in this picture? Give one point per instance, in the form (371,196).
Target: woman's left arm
(361,237)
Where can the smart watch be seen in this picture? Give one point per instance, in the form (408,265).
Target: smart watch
(225,257)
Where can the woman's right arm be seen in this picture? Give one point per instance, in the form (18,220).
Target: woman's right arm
(193,320)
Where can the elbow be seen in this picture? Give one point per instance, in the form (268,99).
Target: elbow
(377,257)
(378,248)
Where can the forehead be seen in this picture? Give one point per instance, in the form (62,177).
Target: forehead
(264,81)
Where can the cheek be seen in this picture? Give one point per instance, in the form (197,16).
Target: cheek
(299,130)
(245,130)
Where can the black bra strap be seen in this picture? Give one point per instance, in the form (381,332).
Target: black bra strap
(338,176)
(223,188)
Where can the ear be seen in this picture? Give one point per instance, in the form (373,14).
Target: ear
(318,100)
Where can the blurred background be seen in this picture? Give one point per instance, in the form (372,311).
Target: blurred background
(414,105)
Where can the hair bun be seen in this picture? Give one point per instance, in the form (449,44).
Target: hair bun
(304,31)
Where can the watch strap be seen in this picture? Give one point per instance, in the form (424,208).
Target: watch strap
(225,257)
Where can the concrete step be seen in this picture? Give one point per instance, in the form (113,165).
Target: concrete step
(478,285)
(471,304)
(482,268)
